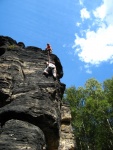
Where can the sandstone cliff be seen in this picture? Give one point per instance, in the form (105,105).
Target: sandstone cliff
(32,115)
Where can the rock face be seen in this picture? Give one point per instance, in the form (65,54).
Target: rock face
(67,140)
(31,109)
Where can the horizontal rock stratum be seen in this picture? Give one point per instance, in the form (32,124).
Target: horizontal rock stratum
(32,114)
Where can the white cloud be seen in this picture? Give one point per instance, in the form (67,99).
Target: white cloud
(88,71)
(105,11)
(100,12)
(97,46)
(78,24)
(81,2)
(84,14)
(108,11)
(87,67)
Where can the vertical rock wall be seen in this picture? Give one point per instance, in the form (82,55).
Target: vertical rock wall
(30,102)
(67,139)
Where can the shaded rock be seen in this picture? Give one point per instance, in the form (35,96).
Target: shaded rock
(18,135)
(5,40)
(21,44)
(2,50)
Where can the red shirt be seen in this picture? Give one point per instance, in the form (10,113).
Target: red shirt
(48,47)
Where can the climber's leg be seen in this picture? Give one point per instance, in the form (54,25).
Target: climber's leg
(46,70)
(54,72)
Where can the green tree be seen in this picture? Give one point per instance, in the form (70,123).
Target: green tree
(91,108)
(108,89)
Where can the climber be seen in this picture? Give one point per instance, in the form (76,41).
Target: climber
(50,67)
(48,49)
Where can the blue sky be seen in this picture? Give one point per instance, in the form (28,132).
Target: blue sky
(79,31)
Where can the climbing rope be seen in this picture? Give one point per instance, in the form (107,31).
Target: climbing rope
(48,57)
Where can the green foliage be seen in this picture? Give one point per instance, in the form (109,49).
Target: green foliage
(12,46)
(108,89)
(92,115)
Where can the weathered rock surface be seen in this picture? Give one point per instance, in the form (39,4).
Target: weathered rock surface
(67,139)
(30,102)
